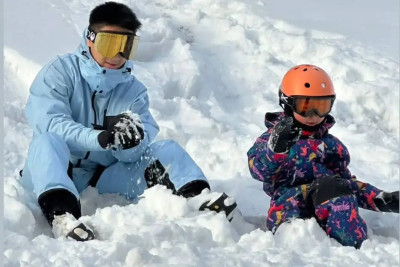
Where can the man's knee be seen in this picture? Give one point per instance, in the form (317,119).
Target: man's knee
(165,145)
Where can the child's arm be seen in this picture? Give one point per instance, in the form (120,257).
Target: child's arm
(368,196)
(264,164)
(270,151)
(372,198)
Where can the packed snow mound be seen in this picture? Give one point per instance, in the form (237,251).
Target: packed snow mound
(212,68)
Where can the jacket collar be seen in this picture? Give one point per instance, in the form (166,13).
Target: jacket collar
(99,78)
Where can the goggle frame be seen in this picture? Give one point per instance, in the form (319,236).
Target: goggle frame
(126,48)
(291,102)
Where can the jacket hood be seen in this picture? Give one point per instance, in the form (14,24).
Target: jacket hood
(272,118)
(99,78)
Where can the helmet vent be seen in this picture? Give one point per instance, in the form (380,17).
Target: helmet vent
(305,69)
(323,85)
(307,85)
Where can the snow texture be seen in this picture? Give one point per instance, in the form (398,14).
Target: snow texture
(213,68)
(64,224)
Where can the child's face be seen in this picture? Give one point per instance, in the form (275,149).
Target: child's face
(309,121)
(111,63)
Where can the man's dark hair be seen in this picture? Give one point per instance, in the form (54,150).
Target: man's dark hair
(112,13)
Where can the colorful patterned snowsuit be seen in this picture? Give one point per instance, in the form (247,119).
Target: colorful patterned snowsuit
(286,178)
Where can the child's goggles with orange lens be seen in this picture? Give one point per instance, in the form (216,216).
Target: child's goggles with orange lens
(110,43)
(310,106)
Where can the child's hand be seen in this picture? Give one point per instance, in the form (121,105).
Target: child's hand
(283,136)
(388,202)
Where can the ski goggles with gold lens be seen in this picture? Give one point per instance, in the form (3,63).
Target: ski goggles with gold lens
(310,106)
(110,43)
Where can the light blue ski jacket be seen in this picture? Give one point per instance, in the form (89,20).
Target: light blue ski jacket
(73,93)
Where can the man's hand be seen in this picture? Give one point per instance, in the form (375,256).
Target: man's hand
(125,130)
(387,202)
(283,136)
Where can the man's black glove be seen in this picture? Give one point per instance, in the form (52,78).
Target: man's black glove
(388,202)
(125,130)
(283,136)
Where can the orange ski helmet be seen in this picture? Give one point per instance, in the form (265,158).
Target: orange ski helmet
(305,81)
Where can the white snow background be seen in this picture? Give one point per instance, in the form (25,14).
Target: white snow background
(212,68)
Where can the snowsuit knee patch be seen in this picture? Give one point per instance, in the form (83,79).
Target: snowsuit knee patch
(326,188)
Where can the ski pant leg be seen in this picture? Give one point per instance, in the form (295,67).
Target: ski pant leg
(180,167)
(336,210)
(286,205)
(124,178)
(163,162)
(46,175)
(340,218)
(46,166)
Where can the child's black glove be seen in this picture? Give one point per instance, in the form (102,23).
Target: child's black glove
(283,136)
(326,188)
(125,130)
(388,202)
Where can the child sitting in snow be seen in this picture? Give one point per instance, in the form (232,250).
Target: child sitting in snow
(305,169)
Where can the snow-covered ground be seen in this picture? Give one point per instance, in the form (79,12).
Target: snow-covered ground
(212,68)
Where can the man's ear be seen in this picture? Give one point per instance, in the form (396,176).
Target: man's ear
(89,43)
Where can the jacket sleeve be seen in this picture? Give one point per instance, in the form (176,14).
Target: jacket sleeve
(48,109)
(264,164)
(140,106)
(364,192)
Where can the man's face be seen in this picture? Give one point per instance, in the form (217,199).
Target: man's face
(111,63)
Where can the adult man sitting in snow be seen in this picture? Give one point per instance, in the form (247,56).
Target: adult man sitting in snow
(92,126)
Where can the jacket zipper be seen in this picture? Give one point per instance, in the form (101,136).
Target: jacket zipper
(78,164)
